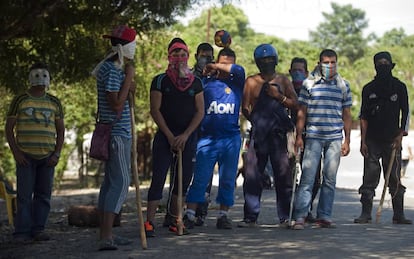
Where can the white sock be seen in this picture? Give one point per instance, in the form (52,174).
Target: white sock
(190,214)
(222,213)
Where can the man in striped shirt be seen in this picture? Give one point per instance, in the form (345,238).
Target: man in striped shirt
(115,82)
(325,101)
(35,133)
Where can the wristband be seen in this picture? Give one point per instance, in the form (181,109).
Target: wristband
(283,100)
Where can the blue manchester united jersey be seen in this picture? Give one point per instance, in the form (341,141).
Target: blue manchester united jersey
(222,100)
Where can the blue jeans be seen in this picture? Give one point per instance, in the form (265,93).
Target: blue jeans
(225,152)
(331,153)
(34,190)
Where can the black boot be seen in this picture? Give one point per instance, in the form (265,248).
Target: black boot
(398,207)
(365,216)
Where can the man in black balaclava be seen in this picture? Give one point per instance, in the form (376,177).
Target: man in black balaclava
(384,119)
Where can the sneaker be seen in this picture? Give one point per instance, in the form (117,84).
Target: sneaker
(149,229)
(188,223)
(168,219)
(122,241)
(41,236)
(174,228)
(247,223)
(199,221)
(224,223)
(310,218)
(284,223)
(322,223)
(107,244)
(299,224)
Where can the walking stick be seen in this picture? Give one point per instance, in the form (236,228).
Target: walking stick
(297,172)
(180,194)
(135,174)
(387,180)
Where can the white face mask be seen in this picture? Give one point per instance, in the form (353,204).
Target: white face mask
(128,50)
(39,76)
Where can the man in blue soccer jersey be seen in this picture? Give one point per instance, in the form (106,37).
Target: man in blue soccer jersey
(220,138)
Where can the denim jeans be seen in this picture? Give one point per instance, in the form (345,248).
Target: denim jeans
(331,153)
(34,189)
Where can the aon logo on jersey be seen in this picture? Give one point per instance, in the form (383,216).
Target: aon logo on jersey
(221,108)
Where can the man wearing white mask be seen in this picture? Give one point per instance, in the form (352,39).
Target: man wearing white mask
(35,132)
(114,83)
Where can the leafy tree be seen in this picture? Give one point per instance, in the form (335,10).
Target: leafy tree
(392,38)
(66,34)
(362,71)
(342,31)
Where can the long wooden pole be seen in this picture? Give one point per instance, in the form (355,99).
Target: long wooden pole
(387,180)
(134,168)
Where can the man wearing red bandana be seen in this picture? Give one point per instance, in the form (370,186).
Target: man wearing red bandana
(177,107)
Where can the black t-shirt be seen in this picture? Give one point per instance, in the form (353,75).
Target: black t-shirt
(177,107)
(385,110)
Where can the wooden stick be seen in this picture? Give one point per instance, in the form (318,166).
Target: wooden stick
(387,180)
(134,168)
(298,169)
(180,194)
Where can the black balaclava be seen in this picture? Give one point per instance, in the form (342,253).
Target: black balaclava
(383,70)
(266,65)
(383,79)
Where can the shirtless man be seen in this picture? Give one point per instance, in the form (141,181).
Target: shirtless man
(266,98)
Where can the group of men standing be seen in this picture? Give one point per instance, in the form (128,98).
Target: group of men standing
(197,114)
(318,106)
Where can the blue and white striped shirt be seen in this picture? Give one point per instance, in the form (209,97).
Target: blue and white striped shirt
(325,102)
(110,79)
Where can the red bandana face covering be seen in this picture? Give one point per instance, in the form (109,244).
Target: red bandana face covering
(179,72)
